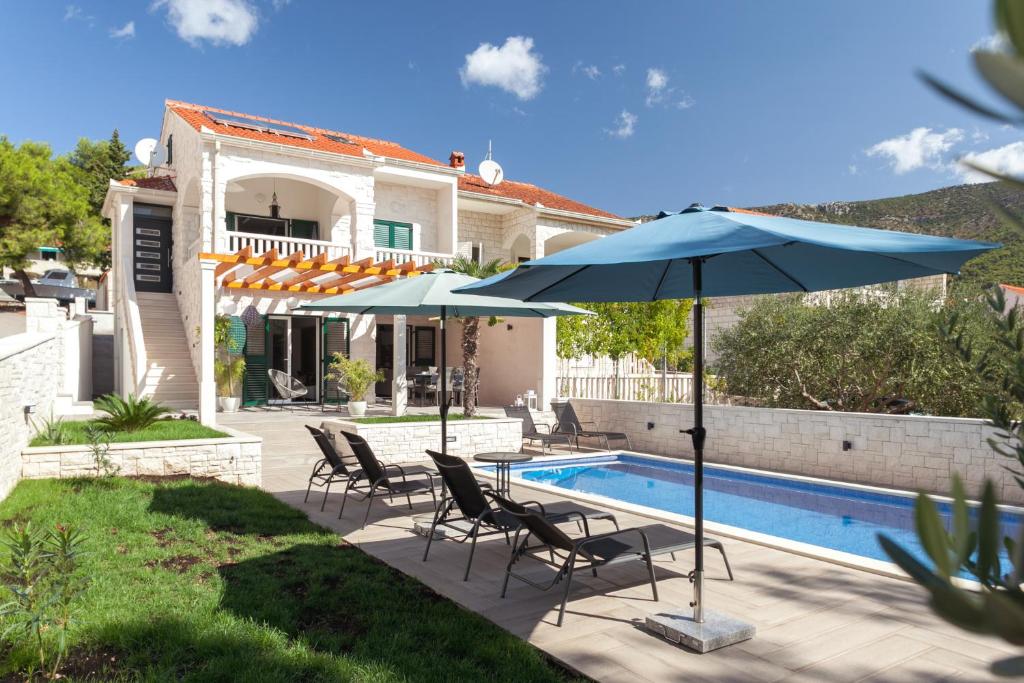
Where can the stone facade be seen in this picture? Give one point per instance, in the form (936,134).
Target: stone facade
(235,460)
(399,442)
(477,228)
(416,205)
(30,375)
(905,452)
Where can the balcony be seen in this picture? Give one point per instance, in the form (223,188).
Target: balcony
(420,258)
(261,244)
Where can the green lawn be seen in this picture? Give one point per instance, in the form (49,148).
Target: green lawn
(384,419)
(162,430)
(201,581)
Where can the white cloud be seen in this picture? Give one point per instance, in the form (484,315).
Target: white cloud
(686,102)
(996,42)
(72,12)
(921,147)
(625,125)
(514,67)
(619,69)
(852,169)
(657,83)
(591,72)
(1008,159)
(219,22)
(126,31)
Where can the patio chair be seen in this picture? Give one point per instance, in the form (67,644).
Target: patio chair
(569,423)
(288,387)
(531,433)
(378,479)
(485,519)
(330,469)
(615,547)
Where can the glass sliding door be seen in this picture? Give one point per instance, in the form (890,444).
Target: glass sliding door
(293,347)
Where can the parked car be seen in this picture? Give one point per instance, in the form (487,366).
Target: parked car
(55,283)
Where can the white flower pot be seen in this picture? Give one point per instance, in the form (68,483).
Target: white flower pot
(228,404)
(357,408)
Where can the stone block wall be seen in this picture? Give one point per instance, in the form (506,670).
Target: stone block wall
(399,442)
(481,228)
(904,452)
(235,460)
(30,374)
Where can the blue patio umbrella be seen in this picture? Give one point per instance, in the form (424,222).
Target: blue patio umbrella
(707,252)
(431,294)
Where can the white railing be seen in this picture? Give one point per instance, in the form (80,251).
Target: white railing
(421,258)
(132,321)
(676,387)
(284,245)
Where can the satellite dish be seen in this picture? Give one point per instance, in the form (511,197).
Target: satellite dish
(150,152)
(490,170)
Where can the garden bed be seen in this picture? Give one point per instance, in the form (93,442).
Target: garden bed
(197,580)
(161,430)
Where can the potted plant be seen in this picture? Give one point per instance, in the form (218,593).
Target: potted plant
(356,378)
(228,367)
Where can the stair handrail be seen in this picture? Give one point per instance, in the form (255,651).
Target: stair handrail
(136,342)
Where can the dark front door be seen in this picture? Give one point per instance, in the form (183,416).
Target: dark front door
(152,253)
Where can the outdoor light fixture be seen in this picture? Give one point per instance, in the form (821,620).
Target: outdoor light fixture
(275,208)
(292,303)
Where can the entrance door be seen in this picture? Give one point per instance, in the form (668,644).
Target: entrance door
(294,349)
(385,358)
(151,247)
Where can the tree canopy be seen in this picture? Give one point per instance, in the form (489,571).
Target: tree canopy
(879,350)
(100,161)
(44,203)
(646,328)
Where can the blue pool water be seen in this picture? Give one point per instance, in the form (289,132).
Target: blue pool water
(827,515)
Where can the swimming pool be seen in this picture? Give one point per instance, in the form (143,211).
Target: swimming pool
(828,515)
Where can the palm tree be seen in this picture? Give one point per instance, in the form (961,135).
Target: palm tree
(471,331)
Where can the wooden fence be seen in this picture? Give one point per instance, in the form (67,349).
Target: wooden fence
(676,387)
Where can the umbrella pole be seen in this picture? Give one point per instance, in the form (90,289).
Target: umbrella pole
(698,433)
(444,383)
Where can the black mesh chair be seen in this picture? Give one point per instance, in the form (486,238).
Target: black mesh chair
(569,423)
(531,433)
(378,479)
(330,469)
(482,516)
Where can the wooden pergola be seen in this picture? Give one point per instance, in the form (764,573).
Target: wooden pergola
(297,273)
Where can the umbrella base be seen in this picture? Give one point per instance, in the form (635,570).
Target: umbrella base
(717,631)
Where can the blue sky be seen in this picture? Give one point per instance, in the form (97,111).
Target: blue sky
(629,107)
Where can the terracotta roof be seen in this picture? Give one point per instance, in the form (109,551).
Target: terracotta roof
(529,194)
(1015,290)
(351,145)
(156,183)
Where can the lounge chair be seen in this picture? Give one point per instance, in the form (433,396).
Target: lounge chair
(569,423)
(531,433)
(378,479)
(331,468)
(484,518)
(616,547)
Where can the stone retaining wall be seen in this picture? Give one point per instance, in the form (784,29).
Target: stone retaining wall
(395,442)
(905,452)
(235,460)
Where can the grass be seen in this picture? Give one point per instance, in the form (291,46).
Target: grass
(161,430)
(385,419)
(202,581)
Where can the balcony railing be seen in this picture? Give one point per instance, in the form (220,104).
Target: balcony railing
(284,245)
(421,258)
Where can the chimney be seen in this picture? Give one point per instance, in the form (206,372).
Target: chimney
(457,160)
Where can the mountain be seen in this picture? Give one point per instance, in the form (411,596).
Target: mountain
(964,211)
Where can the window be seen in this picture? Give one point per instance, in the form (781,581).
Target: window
(279,227)
(423,346)
(392,234)
(170,149)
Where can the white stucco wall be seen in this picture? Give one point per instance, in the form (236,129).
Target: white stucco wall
(408,204)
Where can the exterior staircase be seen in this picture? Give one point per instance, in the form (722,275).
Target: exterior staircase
(170,376)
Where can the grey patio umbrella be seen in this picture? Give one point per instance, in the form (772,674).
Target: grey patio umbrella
(702,252)
(431,294)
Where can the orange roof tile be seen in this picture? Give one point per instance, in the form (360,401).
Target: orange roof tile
(529,194)
(1015,290)
(195,115)
(155,183)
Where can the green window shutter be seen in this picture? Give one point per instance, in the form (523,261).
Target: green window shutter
(335,333)
(392,235)
(229,220)
(254,385)
(306,230)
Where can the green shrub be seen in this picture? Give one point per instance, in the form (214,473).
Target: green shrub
(128,415)
(355,376)
(53,432)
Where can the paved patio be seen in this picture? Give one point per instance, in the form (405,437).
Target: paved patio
(816,621)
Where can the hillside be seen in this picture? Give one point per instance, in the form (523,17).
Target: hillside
(963,211)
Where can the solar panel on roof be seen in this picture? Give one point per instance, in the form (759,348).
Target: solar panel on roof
(340,138)
(257,125)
